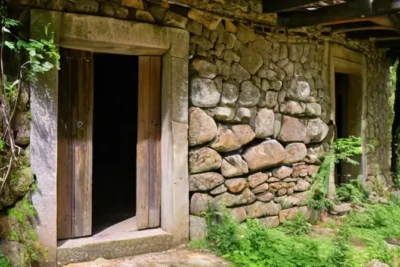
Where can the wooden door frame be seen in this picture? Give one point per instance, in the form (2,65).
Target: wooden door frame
(343,60)
(109,35)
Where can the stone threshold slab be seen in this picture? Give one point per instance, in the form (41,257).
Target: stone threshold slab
(112,246)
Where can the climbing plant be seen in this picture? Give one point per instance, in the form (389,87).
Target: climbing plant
(31,58)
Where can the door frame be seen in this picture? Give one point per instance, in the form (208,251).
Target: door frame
(344,60)
(109,35)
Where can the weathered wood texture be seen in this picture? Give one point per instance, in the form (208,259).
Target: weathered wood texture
(148,144)
(74,179)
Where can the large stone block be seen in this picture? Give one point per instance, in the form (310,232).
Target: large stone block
(204,68)
(236,185)
(260,209)
(233,166)
(251,62)
(208,20)
(199,203)
(204,159)
(202,128)
(249,94)
(298,89)
(230,94)
(245,34)
(229,200)
(175,20)
(257,179)
(204,93)
(265,121)
(238,73)
(316,132)
(265,155)
(205,181)
(198,228)
(270,222)
(292,130)
(290,214)
(282,172)
(232,139)
(295,152)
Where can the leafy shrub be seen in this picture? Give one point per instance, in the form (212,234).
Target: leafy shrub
(354,191)
(298,226)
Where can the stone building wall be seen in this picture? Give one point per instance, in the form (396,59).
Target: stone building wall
(379,131)
(259,107)
(255,123)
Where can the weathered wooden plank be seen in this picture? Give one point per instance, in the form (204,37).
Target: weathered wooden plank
(64,171)
(82,124)
(142,157)
(275,6)
(154,143)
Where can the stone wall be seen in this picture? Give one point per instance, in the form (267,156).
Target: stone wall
(255,123)
(379,131)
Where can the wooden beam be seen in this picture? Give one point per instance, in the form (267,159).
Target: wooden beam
(275,6)
(349,10)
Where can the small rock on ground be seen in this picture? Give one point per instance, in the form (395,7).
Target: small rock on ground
(171,258)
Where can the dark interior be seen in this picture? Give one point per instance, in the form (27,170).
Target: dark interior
(114,139)
(341,89)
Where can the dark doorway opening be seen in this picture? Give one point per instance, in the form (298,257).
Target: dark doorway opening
(348,95)
(114,139)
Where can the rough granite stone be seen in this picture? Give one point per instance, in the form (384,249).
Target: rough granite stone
(175,20)
(257,179)
(238,214)
(252,62)
(233,166)
(204,159)
(316,131)
(219,190)
(230,94)
(238,73)
(292,130)
(264,124)
(265,155)
(204,93)
(295,152)
(199,203)
(202,128)
(249,94)
(229,200)
(270,222)
(204,68)
(264,196)
(282,172)
(260,209)
(236,185)
(205,181)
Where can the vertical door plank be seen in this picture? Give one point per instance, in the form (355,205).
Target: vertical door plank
(64,167)
(82,120)
(142,165)
(74,181)
(154,143)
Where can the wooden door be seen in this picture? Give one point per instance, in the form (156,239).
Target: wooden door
(75,123)
(148,144)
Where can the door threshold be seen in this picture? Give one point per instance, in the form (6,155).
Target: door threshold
(112,246)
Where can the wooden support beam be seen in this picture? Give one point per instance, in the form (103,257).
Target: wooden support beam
(275,6)
(349,10)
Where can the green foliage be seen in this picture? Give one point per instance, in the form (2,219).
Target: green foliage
(392,98)
(345,148)
(4,262)
(316,198)
(355,192)
(298,226)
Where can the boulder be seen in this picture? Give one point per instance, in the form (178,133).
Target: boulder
(292,108)
(233,166)
(376,263)
(290,214)
(301,186)
(230,94)
(204,68)
(204,93)
(231,56)
(245,34)
(249,94)
(316,131)
(236,185)
(270,222)
(238,73)
(261,189)
(205,181)
(266,196)
(251,62)
(313,110)
(257,179)
(22,128)
(292,130)
(300,170)
(298,89)
(204,159)
(265,121)
(244,133)
(238,214)
(260,209)
(295,152)
(282,172)
(223,114)
(198,228)
(276,85)
(194,27)
(271,98)
(341,209)
(202,128)
(219,190)
(229,200)
(199,203)
(265,155)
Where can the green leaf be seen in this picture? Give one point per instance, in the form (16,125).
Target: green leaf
(10,45)
(1,145)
